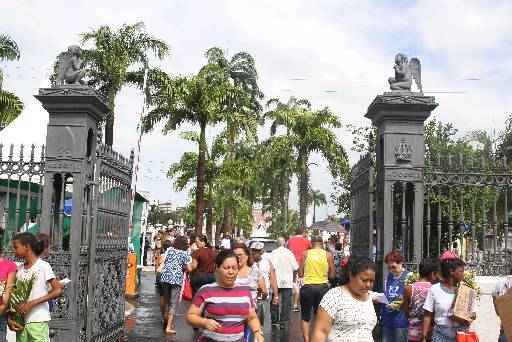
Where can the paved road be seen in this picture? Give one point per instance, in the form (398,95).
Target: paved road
(144,323)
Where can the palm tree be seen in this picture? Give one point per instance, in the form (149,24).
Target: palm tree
(113,54)
(241,108)
(10,105)
(311,131)
(318,199)
(185,171)
(284,114)
(197,100)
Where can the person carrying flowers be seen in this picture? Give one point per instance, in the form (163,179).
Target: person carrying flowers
(33,276)
(438,307)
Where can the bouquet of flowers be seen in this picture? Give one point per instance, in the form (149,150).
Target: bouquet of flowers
(470,281)
(412,277)
(19,295)
(396,305)
(3,284)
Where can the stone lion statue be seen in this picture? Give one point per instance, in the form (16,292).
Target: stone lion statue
(69,66)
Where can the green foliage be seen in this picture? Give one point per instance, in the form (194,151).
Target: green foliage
(117,57)
(10,105)
(19,295)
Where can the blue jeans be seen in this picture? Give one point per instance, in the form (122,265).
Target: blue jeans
(443,333)
(502,337)
(394,334)
(3,328)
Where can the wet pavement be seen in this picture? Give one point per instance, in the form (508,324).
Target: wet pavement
(144,324)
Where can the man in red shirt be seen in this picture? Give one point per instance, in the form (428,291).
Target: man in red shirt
(298,244)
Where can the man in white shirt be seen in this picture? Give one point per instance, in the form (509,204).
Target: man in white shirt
(285,266)
(225,243)
(263,263)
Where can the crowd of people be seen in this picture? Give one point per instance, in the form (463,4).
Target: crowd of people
(239,288)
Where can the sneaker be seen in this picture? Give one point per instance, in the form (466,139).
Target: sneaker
(276,325)
(295,309)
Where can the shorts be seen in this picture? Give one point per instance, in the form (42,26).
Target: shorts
(310,298)
(159,284)
(198,279)
(34,332)
(171,294)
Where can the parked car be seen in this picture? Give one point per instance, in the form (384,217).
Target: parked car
(270,244)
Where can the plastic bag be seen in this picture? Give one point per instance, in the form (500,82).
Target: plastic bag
(186,289)
(467,336)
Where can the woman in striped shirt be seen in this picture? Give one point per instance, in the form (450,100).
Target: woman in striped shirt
(223,309)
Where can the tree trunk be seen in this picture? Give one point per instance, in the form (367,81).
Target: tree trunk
(209,215)
(228,210)
(303,190)
(109,122)
(201,179)
(218,231)
(286,199)
(314,211)
(109,130)
(274,205)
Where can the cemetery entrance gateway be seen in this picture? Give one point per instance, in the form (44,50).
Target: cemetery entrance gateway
(424,204)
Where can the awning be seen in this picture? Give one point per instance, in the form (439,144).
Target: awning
(329,226)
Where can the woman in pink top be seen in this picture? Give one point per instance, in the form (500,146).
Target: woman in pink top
(415,295)
(7,279)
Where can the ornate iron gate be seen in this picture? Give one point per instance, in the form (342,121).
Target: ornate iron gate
(109,245)
(362,191)
(79,194)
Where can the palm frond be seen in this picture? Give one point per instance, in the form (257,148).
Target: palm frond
(9,49)
(10,107)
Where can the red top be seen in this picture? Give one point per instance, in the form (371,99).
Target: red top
(205,258)
(298,244)
(6,267)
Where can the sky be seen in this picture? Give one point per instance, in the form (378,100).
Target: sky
(342,50)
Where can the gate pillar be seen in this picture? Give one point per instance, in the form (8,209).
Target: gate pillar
(74,113)
(400,157)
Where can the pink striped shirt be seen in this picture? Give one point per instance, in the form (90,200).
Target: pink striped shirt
(230,307)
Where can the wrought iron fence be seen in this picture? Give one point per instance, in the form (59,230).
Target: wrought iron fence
(467,210)
(21,188)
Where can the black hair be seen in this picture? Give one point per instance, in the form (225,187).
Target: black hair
(204,240)
(181,243)
(223,255)
(165,245)
(450,265)
(428,266)
(355,266)
(28,239)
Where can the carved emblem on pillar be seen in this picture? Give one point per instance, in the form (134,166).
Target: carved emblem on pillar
(403,152)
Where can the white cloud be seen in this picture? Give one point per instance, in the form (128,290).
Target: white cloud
(346,46)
